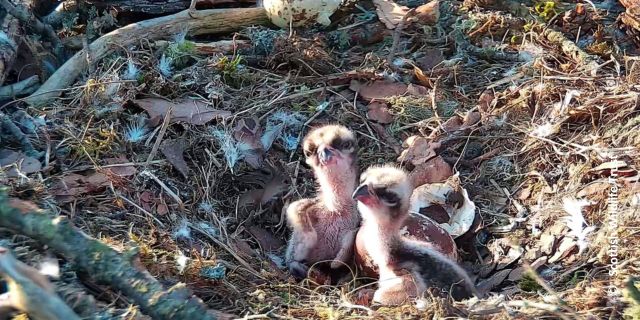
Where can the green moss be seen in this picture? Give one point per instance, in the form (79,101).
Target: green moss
(528,283)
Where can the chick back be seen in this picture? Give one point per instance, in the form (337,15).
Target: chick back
(433,269)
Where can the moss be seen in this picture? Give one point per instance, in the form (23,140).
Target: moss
(528,283)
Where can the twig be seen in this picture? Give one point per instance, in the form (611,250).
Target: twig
(21,13)
(164,187)
(31,292)
(211,21)
(396,36)
(163,129)
(7,124)
(120,270)
(24,87)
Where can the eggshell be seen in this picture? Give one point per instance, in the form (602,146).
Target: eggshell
(303,12)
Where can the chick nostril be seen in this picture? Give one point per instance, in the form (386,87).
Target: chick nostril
(325,154)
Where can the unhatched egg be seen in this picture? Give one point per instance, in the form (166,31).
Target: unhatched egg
(300,12)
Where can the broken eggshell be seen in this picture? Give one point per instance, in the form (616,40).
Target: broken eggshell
(300,12)
(450,196)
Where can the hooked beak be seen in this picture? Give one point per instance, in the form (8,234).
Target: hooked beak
(362,193)
(325,154)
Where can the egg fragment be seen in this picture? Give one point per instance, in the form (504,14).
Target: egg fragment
(300,12)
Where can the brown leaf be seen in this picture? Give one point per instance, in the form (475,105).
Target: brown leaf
(495,280)
(173,150)
(452,124)
(471,118)
(566,246)
(273,185)
(428,13)
(422,78)
(379,112)
(18,161)
(387,137)
(73,185)
(418,150)
(432,58)
(417,90)
(432,171)
(123,171)
(389,12)
(268,242)
(248,131)
(378,89)
(593,189)
(191,111)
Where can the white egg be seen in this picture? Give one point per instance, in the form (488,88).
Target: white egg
(300,12)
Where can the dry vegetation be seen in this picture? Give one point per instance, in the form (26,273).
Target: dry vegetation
(532,122)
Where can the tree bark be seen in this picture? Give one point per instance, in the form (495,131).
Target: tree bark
(120,270)
(158,6)
(207,22)
(9,45)
(31,292)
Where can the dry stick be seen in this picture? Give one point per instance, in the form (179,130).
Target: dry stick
(9,45)
(20,88)
(122,271)
(208,22)
(21,13)
(31,292)
(396,37)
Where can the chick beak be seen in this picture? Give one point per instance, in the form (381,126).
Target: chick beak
(325,154)
(362,193)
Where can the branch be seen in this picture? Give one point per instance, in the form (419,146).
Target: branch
(208,22)
(31,292)
(24,87)
(121,271)
(28,19)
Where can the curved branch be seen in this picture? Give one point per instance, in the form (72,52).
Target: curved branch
(31,292)
(207,22)
(121,271)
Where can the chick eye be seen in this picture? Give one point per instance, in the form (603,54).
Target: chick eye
(307,153)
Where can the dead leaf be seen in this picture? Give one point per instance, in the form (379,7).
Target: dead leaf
(431,58)
(471,118)
(493,282)
(19,162)
(615,164)
(378,89)
(122,171)
(249,131)
(422,78)
(593,189)
(432,171)
(417,90)
(428,13)
(191,111)
(418,150)
(268,242)
(174,151)
(387,137)
(566,246)
(389,12)
(162,209)
(272,185)
(73,185)
(379,112)
(452,124)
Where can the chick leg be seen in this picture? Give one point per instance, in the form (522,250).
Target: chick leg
(346,250)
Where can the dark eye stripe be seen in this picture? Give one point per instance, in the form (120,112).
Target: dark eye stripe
(387,196)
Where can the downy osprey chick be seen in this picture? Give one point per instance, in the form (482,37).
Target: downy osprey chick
(324,227)
(407,268)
